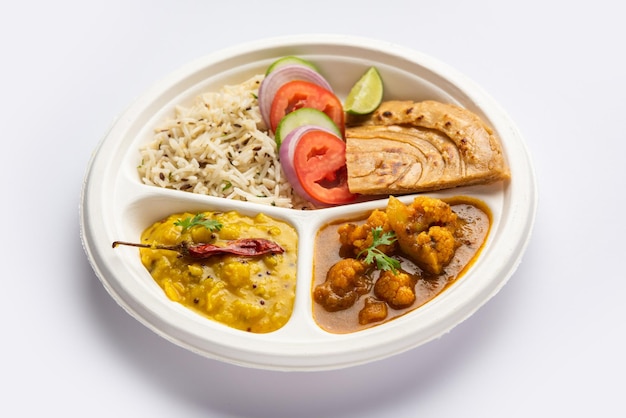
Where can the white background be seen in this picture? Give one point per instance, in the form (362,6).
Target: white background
(551,343)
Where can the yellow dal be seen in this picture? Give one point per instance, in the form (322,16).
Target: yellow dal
(253,294)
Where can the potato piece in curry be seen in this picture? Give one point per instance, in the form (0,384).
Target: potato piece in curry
(425,230)
(433,241)
(250,293)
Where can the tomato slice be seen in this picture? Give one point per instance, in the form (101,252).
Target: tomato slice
(319,161)
(298,94)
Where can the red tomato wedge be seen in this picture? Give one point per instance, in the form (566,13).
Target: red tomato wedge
(319,160)
(298,94)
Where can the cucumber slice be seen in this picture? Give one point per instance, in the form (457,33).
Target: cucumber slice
(301,117)
(291,59)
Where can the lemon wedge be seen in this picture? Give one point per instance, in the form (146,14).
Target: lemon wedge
(366,94)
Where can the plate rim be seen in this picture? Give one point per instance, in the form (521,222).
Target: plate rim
(306,360)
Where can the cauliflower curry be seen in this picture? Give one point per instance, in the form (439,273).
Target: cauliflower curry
(393,261)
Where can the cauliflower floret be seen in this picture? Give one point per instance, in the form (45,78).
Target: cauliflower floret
(433,211)
(397,289)
(435,248)
(360,237)
(345,282)
(373,311)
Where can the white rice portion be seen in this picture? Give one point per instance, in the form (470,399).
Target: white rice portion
(219,146)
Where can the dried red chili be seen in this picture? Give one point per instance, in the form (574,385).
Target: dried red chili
(246,247)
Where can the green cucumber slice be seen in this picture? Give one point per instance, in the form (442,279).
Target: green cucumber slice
(288,60)
(301,117)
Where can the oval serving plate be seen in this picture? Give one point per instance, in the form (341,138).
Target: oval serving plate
(116,205)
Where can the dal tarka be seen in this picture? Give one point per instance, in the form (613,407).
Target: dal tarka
(250,293)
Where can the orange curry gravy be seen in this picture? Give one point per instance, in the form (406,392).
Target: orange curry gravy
(475,219)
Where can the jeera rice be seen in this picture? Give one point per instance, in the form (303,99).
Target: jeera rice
(219,146)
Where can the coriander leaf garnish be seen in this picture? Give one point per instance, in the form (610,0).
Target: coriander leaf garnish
(373,254)
(198,220)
